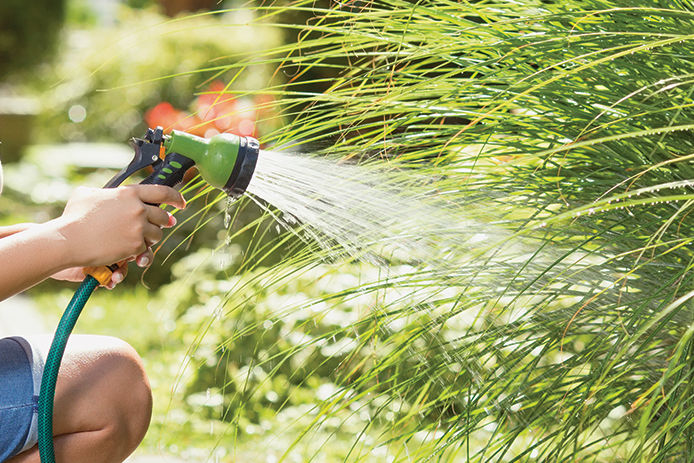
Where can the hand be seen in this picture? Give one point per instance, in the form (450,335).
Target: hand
(77,274)
(102,226)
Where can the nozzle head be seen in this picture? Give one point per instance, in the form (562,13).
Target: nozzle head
(225,161)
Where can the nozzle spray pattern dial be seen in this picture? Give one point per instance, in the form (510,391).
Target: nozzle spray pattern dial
(244,167)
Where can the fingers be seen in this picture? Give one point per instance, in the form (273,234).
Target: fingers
(145,259)
(159,217)
(152,234)
(159,194)
(118,274)
(142,260)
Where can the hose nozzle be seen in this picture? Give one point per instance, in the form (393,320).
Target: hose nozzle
(225,161)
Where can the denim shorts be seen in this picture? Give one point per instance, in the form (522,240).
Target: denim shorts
(21,368)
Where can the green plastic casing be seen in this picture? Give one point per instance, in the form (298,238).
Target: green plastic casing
(214,157)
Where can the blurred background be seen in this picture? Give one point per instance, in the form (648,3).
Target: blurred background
(73,72)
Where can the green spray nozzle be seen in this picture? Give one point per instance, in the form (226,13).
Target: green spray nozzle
(225,161)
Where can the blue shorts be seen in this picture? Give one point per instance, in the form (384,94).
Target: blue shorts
(21,368)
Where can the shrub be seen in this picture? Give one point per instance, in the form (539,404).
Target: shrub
(566,123)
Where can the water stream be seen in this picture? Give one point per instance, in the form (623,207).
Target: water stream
(366,211)
(384,216)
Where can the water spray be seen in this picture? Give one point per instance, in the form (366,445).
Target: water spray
(225,161)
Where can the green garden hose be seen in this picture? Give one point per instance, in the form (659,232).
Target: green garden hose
(50,374)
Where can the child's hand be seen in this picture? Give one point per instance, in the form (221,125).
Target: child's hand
(77,274)
(103,226)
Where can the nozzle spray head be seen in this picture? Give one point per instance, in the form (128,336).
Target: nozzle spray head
(225,161)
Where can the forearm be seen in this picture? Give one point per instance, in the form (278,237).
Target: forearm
(30,256)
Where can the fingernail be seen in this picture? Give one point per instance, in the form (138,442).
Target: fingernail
(117,278)
(172,220)
(143,261)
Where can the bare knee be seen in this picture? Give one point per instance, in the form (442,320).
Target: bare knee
(103,389)
(130,394)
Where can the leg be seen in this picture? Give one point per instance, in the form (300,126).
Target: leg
(103,402)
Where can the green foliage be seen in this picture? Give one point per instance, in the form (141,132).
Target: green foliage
(80,13)
(28,32)
(570,339)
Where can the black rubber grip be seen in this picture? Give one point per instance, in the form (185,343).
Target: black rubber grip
(170,172)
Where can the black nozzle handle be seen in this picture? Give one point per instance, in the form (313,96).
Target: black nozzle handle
(170,172)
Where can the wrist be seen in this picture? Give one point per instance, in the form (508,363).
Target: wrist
(59,236)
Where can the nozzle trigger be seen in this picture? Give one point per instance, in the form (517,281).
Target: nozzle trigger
(146,154)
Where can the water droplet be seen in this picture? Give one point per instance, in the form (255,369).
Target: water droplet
(227,211)
(223,260)
(289,218)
